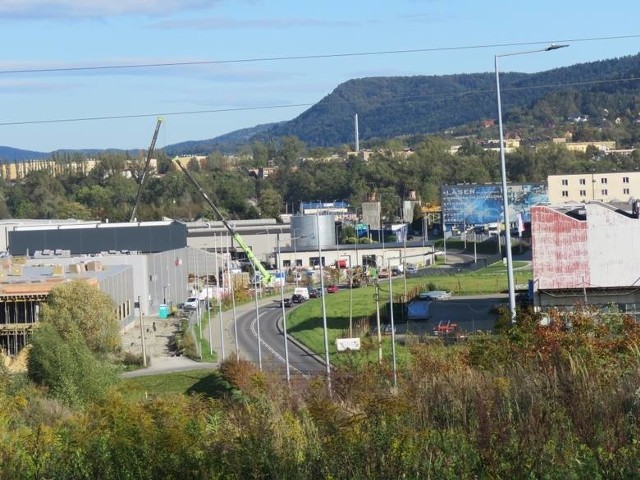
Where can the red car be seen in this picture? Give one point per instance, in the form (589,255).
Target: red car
(332,288)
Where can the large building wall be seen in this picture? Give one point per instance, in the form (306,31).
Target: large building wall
(587,187)
(560,250)
(614,246)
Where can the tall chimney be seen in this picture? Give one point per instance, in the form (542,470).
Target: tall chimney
(357,135)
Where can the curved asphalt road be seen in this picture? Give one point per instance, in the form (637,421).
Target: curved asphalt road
(272,350)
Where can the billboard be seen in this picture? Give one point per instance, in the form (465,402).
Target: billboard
(481,204)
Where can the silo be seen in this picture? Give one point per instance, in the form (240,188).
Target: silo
(304,228)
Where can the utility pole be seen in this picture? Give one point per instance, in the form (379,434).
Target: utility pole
(144,347)
(376,297)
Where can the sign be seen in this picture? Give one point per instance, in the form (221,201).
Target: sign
(344,344)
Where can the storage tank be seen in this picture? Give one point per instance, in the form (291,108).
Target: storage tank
(304,228)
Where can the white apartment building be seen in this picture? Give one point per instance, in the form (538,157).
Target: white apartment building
(618,187)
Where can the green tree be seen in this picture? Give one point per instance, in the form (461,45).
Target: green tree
(269,203)
(78,309)
(67,367)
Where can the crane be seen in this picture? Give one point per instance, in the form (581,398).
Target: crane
(267,278)
(132,217)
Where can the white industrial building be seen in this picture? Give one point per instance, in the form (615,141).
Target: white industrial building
(586,253)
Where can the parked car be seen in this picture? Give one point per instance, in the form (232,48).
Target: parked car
(435,295)
(333,288)
(287,302)
(315,293)
(298,298)
(445,328)
(190,303)
(412,269)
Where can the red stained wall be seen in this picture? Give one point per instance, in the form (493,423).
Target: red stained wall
(560,250)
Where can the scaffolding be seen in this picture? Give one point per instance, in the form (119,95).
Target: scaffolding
(18,317)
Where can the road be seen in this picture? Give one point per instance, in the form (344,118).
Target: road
(470,313)
(272,349)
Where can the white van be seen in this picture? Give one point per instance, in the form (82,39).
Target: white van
(303,291)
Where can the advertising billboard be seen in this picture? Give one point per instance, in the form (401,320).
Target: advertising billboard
(471,204)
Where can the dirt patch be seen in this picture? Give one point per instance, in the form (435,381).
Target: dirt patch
(159,337)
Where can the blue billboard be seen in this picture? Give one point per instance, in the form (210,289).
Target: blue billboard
(471,204)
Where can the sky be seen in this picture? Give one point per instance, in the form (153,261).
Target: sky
(78,74)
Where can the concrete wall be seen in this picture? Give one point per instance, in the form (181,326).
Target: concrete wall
(614,246)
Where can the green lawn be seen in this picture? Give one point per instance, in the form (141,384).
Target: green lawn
(305,323)
(206,382)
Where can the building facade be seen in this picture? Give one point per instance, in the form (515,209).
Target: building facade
(615,187)
(586,253)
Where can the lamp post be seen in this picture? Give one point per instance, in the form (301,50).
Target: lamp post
(284,315)
(233,300)
(393,330)
(503,174)
(350,278)
(324,307)
(294,241)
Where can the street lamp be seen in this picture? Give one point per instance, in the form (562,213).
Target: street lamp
(294,241)
(284,315)
(324,306)
(503,173)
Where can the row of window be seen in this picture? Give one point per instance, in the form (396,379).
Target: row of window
(603,181)
(603,192)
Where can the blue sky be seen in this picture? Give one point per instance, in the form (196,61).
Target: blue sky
(209,89)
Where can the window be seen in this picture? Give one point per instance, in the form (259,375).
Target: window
(625,179)
(565,193)
(565,182)
(583,181)
(605,192)
(583,193)
(603,180)
(625,191)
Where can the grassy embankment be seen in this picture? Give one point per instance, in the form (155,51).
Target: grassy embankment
(305,323)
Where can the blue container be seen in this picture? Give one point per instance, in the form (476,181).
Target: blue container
(163,311)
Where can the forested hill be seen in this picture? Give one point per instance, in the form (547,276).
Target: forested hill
(392,106)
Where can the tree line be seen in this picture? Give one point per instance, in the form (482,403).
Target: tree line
(300,174)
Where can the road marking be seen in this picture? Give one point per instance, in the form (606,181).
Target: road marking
(262,342)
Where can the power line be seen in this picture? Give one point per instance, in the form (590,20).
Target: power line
(313,57)
(412,98)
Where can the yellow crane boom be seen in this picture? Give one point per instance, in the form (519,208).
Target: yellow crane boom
(267,278)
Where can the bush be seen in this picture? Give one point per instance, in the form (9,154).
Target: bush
(186,343)
(67,367)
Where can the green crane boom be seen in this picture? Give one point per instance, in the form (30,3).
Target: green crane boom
(267,278)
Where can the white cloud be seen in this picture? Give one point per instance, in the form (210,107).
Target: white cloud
(96,8)
(219,23)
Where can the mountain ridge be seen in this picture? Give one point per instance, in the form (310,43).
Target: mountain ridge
(388,107)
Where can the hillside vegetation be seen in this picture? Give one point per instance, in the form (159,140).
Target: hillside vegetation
(534,402)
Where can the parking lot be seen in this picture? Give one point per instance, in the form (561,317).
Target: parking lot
(471,313)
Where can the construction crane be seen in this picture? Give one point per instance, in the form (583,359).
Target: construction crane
(152,147)
(267,278)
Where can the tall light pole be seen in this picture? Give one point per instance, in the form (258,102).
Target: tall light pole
(207,293)
(219,296)
(324,306)
(350,278)
(284,315)
(233,300)
(503,174)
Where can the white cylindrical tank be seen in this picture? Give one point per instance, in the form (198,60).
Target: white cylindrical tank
(305,231)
